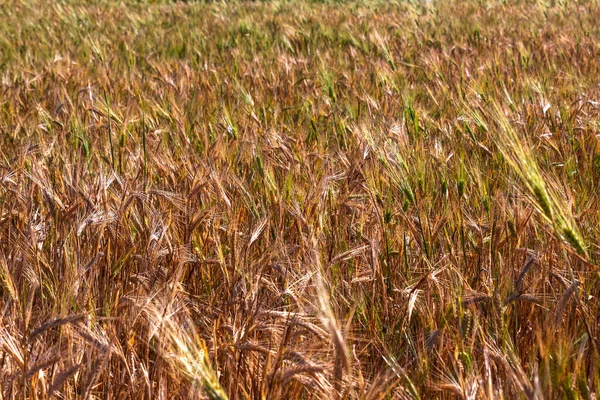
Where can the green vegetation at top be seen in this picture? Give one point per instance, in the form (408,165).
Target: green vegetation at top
(299,199)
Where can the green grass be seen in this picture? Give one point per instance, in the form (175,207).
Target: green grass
(299,199)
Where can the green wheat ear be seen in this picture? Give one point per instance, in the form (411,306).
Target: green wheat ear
(573,237)
(520,158)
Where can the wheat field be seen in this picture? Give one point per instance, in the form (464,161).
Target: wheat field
(299,200)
